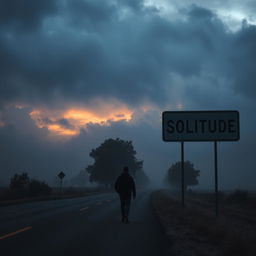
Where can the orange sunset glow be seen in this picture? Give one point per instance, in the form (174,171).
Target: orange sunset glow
(2,124)
(67,123)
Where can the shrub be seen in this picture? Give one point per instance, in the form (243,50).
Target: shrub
(19,184)
(22,186)
(238,196)
(38,188)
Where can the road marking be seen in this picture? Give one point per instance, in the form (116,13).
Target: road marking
(84,209)
(15,233)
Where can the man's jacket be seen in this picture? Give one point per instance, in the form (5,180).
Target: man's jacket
(125,185)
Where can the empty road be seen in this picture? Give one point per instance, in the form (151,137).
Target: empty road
(88,226)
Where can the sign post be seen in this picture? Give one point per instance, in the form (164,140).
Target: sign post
(216,179)
(182,175)
(215,126)
(61,175)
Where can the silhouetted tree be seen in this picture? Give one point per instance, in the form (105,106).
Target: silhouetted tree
(19,184)
(110,158)
(191,175)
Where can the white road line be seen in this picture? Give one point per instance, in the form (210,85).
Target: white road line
(84,209)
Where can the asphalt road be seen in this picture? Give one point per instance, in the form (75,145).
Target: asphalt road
(88,226)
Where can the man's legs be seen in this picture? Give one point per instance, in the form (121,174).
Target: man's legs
(125,207)
(122,200)
(127,203)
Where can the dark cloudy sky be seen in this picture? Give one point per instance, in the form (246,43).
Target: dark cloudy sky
(76,72)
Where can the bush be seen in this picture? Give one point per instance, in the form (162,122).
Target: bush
(21,186)
(38,188)
(238,196)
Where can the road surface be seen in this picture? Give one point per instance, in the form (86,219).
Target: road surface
(88,226)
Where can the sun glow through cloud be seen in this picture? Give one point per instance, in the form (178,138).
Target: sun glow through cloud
(2,124)
(67,123)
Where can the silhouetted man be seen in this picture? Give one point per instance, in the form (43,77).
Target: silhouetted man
(125,187)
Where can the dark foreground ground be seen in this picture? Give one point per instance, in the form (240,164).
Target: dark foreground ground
(195,231)
(82,226)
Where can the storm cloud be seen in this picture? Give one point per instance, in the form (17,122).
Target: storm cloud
(90,49)
(25,14)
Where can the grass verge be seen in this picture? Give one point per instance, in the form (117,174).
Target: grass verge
(55,195)
(193,231)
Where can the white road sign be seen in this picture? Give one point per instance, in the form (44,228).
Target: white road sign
(201,126)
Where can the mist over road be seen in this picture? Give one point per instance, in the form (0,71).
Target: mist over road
(82,226)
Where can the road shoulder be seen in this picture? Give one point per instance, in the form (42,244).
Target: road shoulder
(186,239)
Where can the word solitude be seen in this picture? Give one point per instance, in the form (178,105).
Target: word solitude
(201,126)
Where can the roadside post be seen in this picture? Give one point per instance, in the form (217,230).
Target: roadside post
(194,126)
(61,175)
(182,175)
(216,179)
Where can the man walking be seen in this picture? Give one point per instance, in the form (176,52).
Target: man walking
(125,187)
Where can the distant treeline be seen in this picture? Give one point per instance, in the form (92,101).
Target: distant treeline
(109,160)
(22,186)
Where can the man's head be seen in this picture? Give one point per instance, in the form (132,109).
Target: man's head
(126,169)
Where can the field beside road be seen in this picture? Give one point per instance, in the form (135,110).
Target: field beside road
(195,231)
(6,198)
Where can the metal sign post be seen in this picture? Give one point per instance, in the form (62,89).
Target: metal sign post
(61,175)
(60,185)
(182,175)
(216,179)
(181,126)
